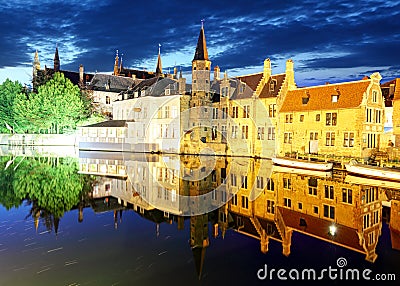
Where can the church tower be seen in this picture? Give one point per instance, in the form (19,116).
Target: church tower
(56,61)
(159,65)
(36,64)
(200,102)
(201,66)
(116,67)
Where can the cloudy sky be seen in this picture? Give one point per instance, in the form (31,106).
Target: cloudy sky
(328,40)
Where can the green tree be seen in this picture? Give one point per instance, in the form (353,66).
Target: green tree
(57,107)
(8,91)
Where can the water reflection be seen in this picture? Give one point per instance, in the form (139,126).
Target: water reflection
(211,196)
(268,203)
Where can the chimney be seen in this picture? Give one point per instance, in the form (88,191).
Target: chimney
(267,69)
(217,73)
(81,74)
(290,74)
(182,84)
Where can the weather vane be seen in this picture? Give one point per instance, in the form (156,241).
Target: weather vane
(159,48)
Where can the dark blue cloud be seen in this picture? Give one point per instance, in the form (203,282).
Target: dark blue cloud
(322,34)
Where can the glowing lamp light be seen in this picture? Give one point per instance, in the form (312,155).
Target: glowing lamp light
(332,230)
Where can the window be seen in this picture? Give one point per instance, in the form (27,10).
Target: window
(224,112)
(335,98)
(329,211)
(242,87)
(260,182)
(260,133)
(234,132)
(315,209)
(371,238)
(374,96)
(289,118)
(371,140)
(370,195)
(233,180)
(272,85)
(378,116)
(348,140)
(235,112)
(287,184)
(271,133)
(287,137)
(215,113)
(331,119)
(318,117)
(245,202)
(234,200)
(329,192)
(301,117)
(270,185)
(369,115)
(272,110)
(287,202)
(330,139)
(375,218)
(347,196)
(270,207)
(108,100)
(244,182)
(246,111)
(245,132)
(312,186)
(313,135)
(214,133)
(300,206)
(304,100)
(366,221)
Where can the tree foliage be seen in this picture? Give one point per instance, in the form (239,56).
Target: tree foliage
(57,106)
(8,91)
(52,185)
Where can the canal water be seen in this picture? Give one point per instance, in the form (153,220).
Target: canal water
(117,219)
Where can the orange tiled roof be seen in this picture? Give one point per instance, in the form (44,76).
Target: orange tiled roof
(251,80)
(267,92)
(318,227)
(320,97)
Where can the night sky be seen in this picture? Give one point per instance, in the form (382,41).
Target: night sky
(328,40)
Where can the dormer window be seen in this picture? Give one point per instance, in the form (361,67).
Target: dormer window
(242,87)
(305,100)
(272,85)
(335,98)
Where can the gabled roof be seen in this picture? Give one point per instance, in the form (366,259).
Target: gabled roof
(114,83)
(108,123)
(272,90)
(350,95)
(71,75)
(251,80)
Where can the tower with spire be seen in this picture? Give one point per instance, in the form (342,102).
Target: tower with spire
(159,65)
(200,102)
(201,66)
(56,60)
(36,64)
(116,67)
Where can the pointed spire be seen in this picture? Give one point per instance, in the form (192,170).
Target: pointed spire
(120,65)
(159,65)
(116,64)
(201,48)
(56,60)
(36,63)
(198,257)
